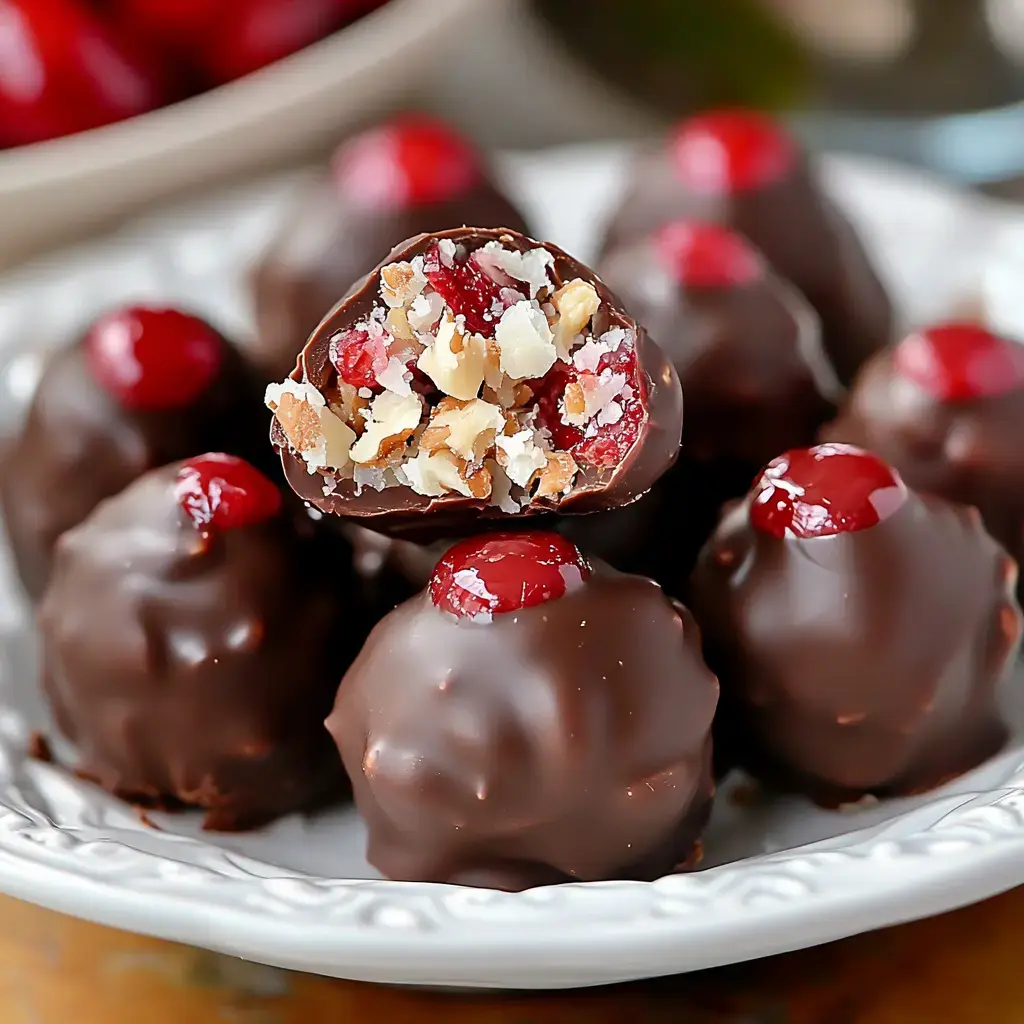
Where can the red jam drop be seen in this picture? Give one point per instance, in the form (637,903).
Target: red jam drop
(960,361)
(412,160)
(704,255)
(153,358)
(358,358)
(825,491)
(223,492)
(726,151)
(506,572)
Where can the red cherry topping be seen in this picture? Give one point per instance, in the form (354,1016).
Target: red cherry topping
(467,289)
(824,491)
(703,255)
(223,492)
(153,358)
(958,362)
(505,572)
(412,160)
(358,358)
(726,151)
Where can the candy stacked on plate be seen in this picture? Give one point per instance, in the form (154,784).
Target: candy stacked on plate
(482,428)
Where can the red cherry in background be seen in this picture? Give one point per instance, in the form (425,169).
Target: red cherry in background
(499,573)
(721,152)
(705,255)
(224,492)
(151,358)
(958,362)
(64,70)
(824,491)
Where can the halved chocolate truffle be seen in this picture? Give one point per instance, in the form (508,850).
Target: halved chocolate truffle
(192,633)
(476,373)
(946,408)
(145,386)
(408,175)
(861,631)
(528,720)
(744,170)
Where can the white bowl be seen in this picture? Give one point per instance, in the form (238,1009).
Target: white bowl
(51,191)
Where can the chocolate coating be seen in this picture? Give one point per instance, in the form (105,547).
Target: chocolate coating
(864,662)
(802,234)
(566,742)
(197,667)
(329,242)
(79,445)
(966,451)
(400,510)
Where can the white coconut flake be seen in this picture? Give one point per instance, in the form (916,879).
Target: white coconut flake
(433,475)
(368,476)
(610,414)
(530,267)
(613,338)
(425,311)
(525,342)
(522,457)
(364,393)
(501,489)
(447,249)
(588,357)
(395,377)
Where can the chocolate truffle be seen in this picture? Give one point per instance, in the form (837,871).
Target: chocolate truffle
(408,175)
(946,408)
(192,634)
(756,381)
(475,374)
(860,630)
(744,170)
(144,387)
(527,720)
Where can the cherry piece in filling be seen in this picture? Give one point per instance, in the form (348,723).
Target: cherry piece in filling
(358,358)
(726,151)
(153,358)
(505,572)
(411,161)
(224,492)
(824,491)
(958,362)
(705,255)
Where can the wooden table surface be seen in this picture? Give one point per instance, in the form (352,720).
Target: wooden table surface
(962,967)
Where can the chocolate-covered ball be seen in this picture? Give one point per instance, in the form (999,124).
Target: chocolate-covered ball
(746,171)
(527,720)
(408,175)
(145,386)
(476,374)
(946,408)
(192,634)
(861,631)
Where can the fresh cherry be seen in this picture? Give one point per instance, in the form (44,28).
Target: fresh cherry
(506,572)
(150,358)
(705,255)
(824,491)
(721,152)
(412,160)
(224,492)
(358,358)
(63,70)
(958,362)
(468,290)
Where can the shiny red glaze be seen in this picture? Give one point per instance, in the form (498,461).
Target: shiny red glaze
(958,362)
(499,573)
(824,491)
(223,492)
(412,160)
(150,358)
(467,290)
(64,70)
(358,358)
(705,255)
(725,151)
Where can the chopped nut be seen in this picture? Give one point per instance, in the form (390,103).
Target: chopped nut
(393,420)
(433,439)
(322,439)
(525,342)
(398,324)
(575,405)
(458,372)
(576,302)
(520,456)
(479,482)
(400,283)
(501,489)
(434,474)
(522,394)
(558,476)
(471,428)
(395,377)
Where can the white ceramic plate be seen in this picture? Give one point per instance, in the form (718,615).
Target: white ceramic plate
(779,874)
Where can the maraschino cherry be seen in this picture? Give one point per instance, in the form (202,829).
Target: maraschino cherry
(825,491)
(705,255)
(958,362)
(151,358)
(505,572)
(223,492)
(721,152)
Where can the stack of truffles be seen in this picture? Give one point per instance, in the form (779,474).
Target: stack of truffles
(452,585)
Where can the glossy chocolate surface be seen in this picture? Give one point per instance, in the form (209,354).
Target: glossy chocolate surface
(569,741)
(867,662)
(196,667)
